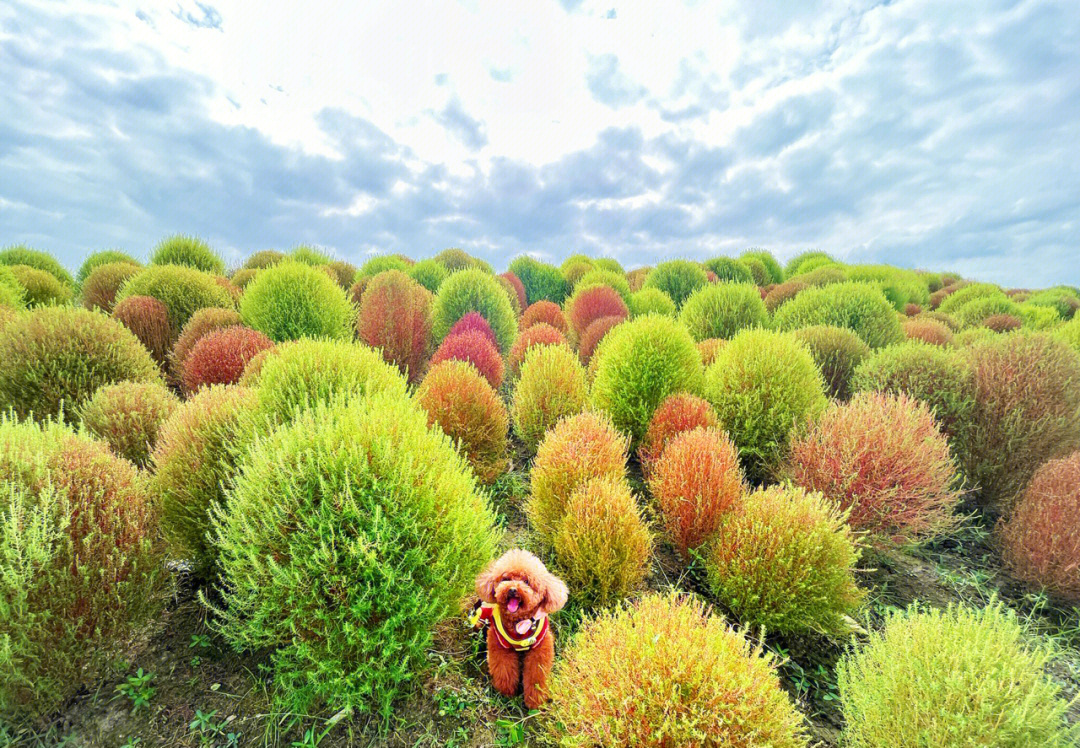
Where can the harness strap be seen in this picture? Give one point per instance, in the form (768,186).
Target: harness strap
(484,613)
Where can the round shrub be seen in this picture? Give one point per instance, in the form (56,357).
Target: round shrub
(12,294)
(219,357)
(189,251)
(40,288)
(720,310)
(860,307)
(148,319)
(104,257)
(761,384)
(519,290)
(574,267)
(202,322)
(677,278)
(910,310)
(881,457)
(928,330)
(709,349)
(781,293)
(1069,333)
(291,300)
(128,417)
(410,529)
(1002,322)
(428,273)
(80,568)
(651,301)
(263,259)
(666,672)
(53,359)
(474,291)
(20,254)
(469,411)
(1035,317)
(304,372)
(807,261)
(454,259)
(758,271)
(194,461)
(967,293)
(823,275)
(474,322)
(511,294)
(576,450)
(636,278)
(837,352)
(553,385)
(382,263)
(696,483)
(395,317)
(614,279)
(542,282)
(474,347)
(594,334)
(776,273)
(977,311)
(311,256)
(951,677)
(602,545)
(728,269)
(1062,299)
(356,292)
(1027,411)
(899,285)
(182,290)
(938,377)
(589,303)
(785,560)
(342,272)
(639,364)
(546,312)
(241,278)
(676,414)
(539,334)
(1041,538)
(104,282)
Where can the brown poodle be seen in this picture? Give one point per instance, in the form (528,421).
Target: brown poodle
(517,593)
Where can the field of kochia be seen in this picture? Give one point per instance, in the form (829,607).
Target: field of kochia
(795,504)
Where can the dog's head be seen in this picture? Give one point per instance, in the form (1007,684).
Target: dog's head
(522,587)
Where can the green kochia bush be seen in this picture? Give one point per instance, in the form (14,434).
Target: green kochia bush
(776,273)
(349,621)
(729,269)
(293,300)
(53,359)
(639,363)
(951,678)
(542,282)
(12,294)
(183,291)
(41,288)
(650,301)
(104,257)
(190,251)
(474,291)
(677,278)
(20,254)
(860,307)
(762,383)
(428,273)
(721,310)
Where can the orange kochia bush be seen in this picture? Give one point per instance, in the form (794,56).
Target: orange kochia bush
(928,330)
(696,481)
(148,319)
(219,357)
(395,317)
(590,304)
(543,311)
(882,456)
(1041,539)
(594,333)
(539,334)
(678,413)
(473,346)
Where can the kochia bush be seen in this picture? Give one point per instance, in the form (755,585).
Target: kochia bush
(128,416)
(639,364)
(589,303)
(677,413)
(201,323)
(594,334)
(776,273)
(677,278)
(12,294)
(182,290)
(411,532)
(20,254)
(837,352)
(883,458)
(722,309)
(547,312)
(692,680)
(221,355)
(761,384)
(651,301)
(928,330)
(188,251)
(428,273)
(40,288)
(553,385)
(54,359)
(458,398)
(860,307)
(474,291)
(148,319)
(104,257)
(730,270)
(539,334)
(696,482)
(952,677)
(785,560)
(474,347)
(104,282)
(542,282)
(292,300)
(395,317)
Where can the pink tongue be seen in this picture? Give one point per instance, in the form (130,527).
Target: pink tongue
(523,626)
(512,606)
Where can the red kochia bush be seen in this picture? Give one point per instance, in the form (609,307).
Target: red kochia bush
(882,456)
(594,333)
(543,311)
(1003,322)
(395,317)
(539,334)
(696,481)
(474,347)
(678,413)
(590,304)
(203,321)
(148,319)
(474,321)
(1041,540)
(519,288)
(221,355)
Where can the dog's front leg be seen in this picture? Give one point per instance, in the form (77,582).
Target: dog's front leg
(504,665)
(538,662)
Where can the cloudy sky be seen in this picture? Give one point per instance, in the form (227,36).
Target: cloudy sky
(918,132)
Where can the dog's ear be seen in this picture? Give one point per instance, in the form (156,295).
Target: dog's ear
(555,594)
(486,581)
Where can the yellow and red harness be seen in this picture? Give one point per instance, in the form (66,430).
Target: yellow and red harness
(484,613)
